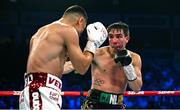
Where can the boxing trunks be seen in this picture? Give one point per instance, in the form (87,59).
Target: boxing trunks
(102,100)
(42,91)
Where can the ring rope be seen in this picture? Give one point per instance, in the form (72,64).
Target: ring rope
(85,93)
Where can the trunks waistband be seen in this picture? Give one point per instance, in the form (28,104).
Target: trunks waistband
(105,97)
(43,79)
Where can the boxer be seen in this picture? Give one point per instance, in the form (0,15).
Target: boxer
(49,48)
(112,69)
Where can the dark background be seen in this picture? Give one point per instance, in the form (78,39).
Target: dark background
(154,29)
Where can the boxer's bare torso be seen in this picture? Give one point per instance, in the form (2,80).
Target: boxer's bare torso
(48,51)
(106,74)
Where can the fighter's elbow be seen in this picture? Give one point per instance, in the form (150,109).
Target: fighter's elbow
(136,90)
(81,71)
(82,68)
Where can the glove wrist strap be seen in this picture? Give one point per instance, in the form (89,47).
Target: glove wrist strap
(91,47)
(130,72)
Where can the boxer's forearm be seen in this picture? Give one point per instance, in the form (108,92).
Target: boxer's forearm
(136,84)
(89,57)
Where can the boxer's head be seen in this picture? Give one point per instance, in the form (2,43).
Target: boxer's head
(77,16)
(118,35)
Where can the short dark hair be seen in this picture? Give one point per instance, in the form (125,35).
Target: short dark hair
(119,25)
(76,9)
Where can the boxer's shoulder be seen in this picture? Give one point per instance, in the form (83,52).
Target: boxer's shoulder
(61,29)
(101,50)
(104,48)
(135,56)
(63,26)
(132,53)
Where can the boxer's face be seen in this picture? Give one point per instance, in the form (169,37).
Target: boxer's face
(117,39)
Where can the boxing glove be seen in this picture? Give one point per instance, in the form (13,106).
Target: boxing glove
(123,58)
(97,34)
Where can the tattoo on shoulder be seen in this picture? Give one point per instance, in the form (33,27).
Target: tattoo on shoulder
(98,82)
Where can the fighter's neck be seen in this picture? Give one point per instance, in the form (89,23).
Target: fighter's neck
(62,22)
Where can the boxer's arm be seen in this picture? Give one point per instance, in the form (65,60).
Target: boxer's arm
(68,67)
(137,83)
(80,61)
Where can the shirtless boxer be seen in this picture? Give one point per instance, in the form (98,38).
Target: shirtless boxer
(113,68)
(49,48)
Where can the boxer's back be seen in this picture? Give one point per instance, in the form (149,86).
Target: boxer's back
(47,50)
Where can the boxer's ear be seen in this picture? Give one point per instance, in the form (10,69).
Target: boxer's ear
(80,21)
(127,39)
(81,24)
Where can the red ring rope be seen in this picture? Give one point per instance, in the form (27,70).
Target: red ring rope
(84,93)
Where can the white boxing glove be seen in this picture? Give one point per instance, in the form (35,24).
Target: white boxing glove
(97,34)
